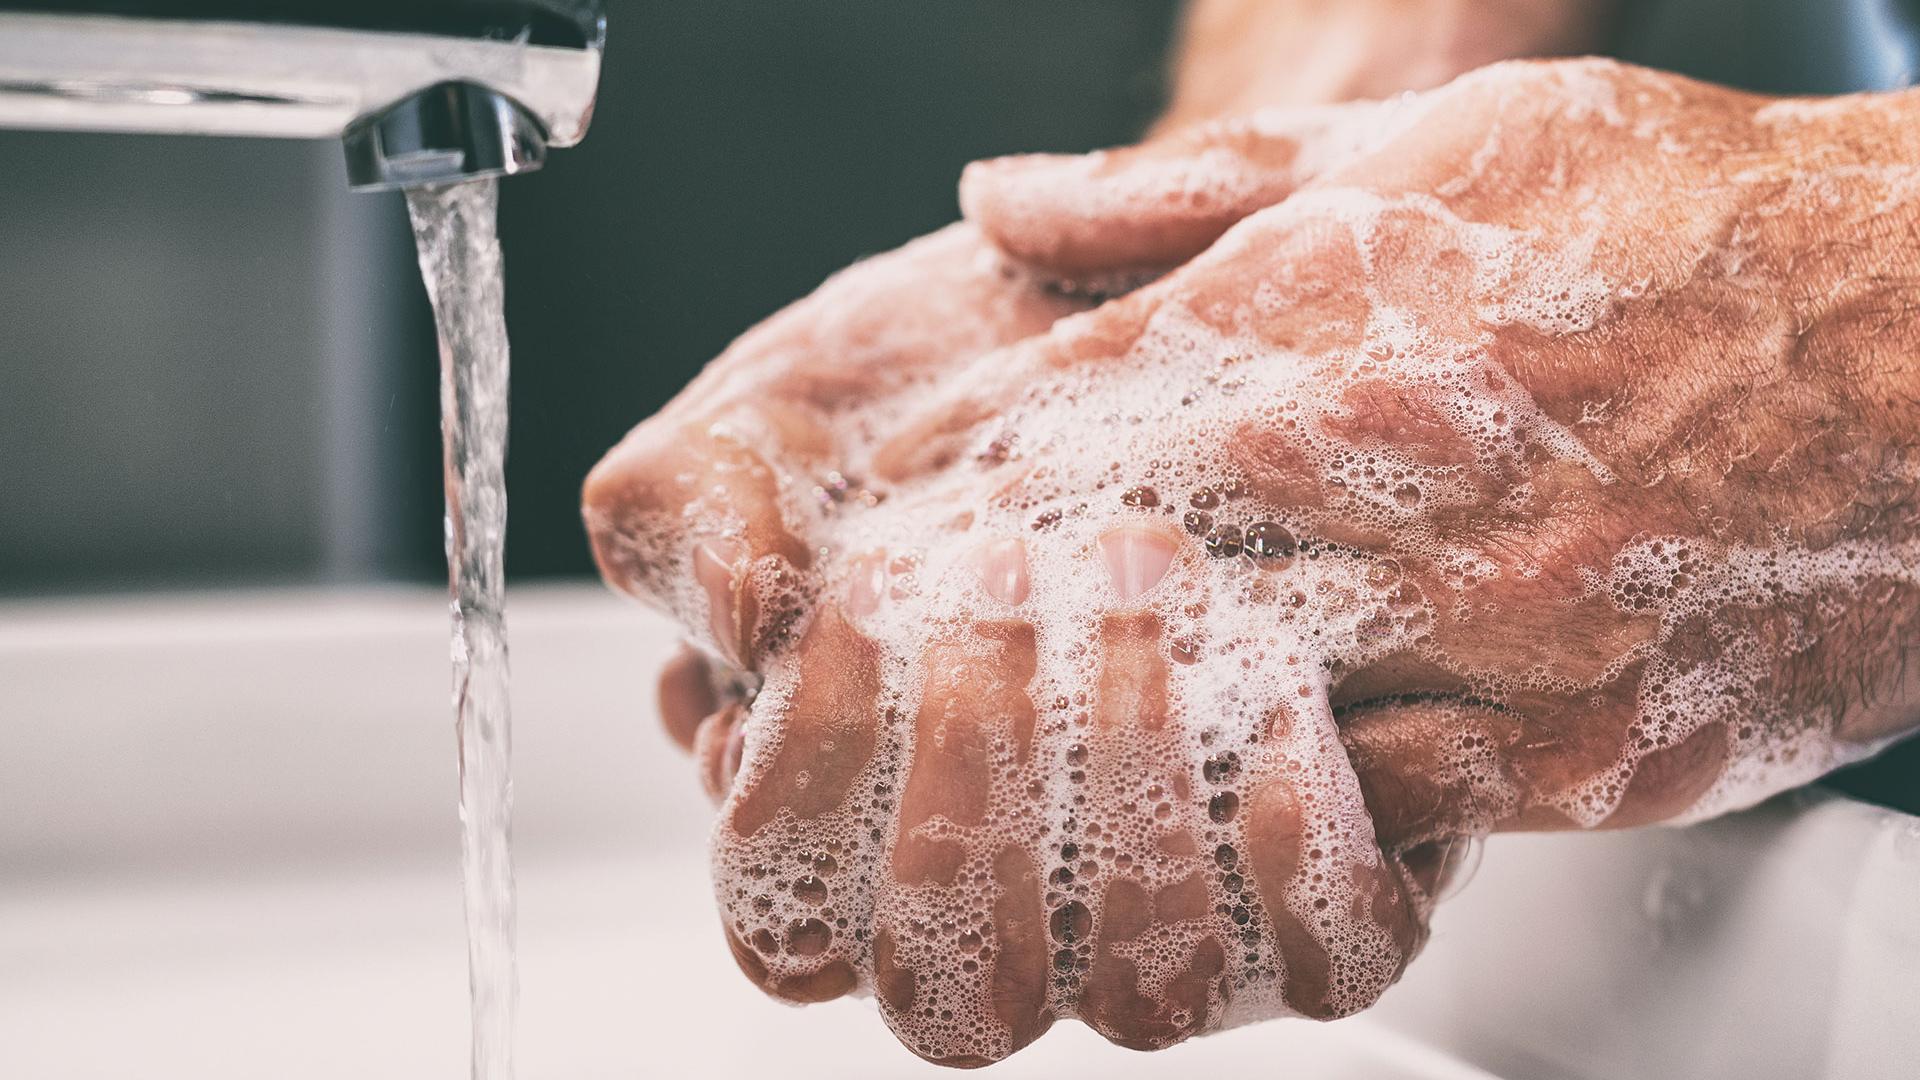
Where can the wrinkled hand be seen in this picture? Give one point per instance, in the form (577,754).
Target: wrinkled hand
(790,401)
(1534,453)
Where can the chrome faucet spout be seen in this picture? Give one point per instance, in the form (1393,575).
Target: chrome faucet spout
(444,134)
(421,92)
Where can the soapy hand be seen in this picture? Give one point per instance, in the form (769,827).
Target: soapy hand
(1537,452)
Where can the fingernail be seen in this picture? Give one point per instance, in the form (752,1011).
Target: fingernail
(1136,559)
(1018,167)
(867,584)
(998,188)
(1002,566)
(716,563)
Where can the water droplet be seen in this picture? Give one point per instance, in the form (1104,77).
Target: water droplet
(1407,495)
(1046,520)
(1383,573)
(1221,768)
(1224,541)
(997,451)
(811,890)
(1225,857)
(1204,499)
(1143,497)
(1223,807)
(1197,523)
(1269,540)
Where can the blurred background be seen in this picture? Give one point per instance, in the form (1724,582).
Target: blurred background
(216,367)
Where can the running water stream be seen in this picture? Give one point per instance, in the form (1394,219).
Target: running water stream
(454,228)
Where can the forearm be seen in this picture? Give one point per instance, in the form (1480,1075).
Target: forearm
(1237,55)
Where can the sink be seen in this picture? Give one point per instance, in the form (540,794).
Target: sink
(228,828)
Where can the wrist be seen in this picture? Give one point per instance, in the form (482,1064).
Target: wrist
(1240,55)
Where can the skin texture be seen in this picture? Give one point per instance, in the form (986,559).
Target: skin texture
(1643,350)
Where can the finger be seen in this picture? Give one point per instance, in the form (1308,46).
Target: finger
(1142,940)
(1345,917)
(686,695)
(1146,208)
(828,729)
(1448,766)
(792,850)
(693,517)
(954,988)
(1431,769)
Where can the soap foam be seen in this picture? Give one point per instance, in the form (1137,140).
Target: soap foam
(1158,438)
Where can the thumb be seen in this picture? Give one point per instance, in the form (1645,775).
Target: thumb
(1434,768)
(1430,768)
(1101,219)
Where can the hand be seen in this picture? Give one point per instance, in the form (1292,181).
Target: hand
(790,391)
(1701,294)
(1534,454)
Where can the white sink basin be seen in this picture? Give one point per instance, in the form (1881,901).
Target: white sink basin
(229,850)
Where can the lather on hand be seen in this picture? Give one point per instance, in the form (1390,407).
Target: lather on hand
(1536,452)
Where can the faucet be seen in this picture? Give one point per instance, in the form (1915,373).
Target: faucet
(419,91)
